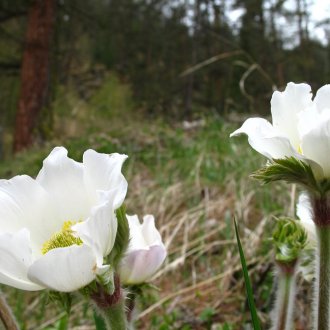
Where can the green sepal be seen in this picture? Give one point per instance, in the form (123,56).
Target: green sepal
(107,281)
(289,239)
(289,169)
(293,170)
(63,299)
(122,238)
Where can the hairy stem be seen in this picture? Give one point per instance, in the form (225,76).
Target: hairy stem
(111,306)
(6,315)
(283,312)
(115,317)
(322,317)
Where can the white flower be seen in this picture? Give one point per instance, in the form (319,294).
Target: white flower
(301,127)
(304,213)
(56,229)
(146,251)
(307,258)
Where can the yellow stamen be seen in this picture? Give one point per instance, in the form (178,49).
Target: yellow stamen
(62,238)
(300,150)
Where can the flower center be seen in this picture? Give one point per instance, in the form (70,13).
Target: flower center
(62,238)
(300,150)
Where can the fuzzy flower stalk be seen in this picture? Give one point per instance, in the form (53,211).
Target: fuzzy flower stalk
(297,145)
(289,239)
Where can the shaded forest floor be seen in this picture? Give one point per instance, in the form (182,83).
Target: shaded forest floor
(194,179)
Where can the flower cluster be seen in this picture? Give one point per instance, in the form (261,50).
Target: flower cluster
(57,230)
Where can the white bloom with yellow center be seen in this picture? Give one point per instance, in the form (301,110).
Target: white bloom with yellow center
(56,229)
(301,128)
(146,251)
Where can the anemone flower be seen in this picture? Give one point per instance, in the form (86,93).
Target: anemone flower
(300,128)
(55,230)
(146,251)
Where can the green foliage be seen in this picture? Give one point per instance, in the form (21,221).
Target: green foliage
(207,315)
(99,322)
(248,287)
(289,239)
(112,99)
(63,299)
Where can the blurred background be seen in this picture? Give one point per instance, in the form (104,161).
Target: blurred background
(164,81)
(178,59)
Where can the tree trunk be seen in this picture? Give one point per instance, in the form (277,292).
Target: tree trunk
(35,71)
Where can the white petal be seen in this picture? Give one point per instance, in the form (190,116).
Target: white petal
(103,172)
(286,106)
(62,177)
(304,213)
(99,231)
(265,139)
(65,269)
(138,266)
(322,99)
(25,204)
(137,240)
(149,230)
(316,145)
(15,259)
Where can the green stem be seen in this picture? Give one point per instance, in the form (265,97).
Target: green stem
(6,315)
(284,302)
(111,306)
(322,317)
(115,317)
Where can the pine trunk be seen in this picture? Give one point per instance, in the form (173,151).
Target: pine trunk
(35,71)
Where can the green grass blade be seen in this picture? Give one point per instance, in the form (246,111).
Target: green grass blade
(99,322)
(253,310)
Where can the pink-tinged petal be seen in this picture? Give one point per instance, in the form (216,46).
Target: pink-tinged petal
(25,204)
(15,259)
(99,230)
(65,269)
(63,178)
(285,108)
(103,173)
(138,266)
(145,253)
(265,139)
(315,145)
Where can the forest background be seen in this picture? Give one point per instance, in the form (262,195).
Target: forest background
(164,81)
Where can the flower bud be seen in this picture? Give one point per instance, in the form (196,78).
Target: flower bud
(146,251)
(289,239)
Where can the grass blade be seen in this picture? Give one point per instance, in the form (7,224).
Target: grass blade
(253,310)
(99,322)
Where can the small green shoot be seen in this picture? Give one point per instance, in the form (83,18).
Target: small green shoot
(253,310)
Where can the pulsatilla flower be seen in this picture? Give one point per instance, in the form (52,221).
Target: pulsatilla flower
(146,251)
(300,128)
(55,230)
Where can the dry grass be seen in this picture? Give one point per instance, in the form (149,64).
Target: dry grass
(194,182)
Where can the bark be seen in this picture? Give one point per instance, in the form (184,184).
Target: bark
(34,71)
